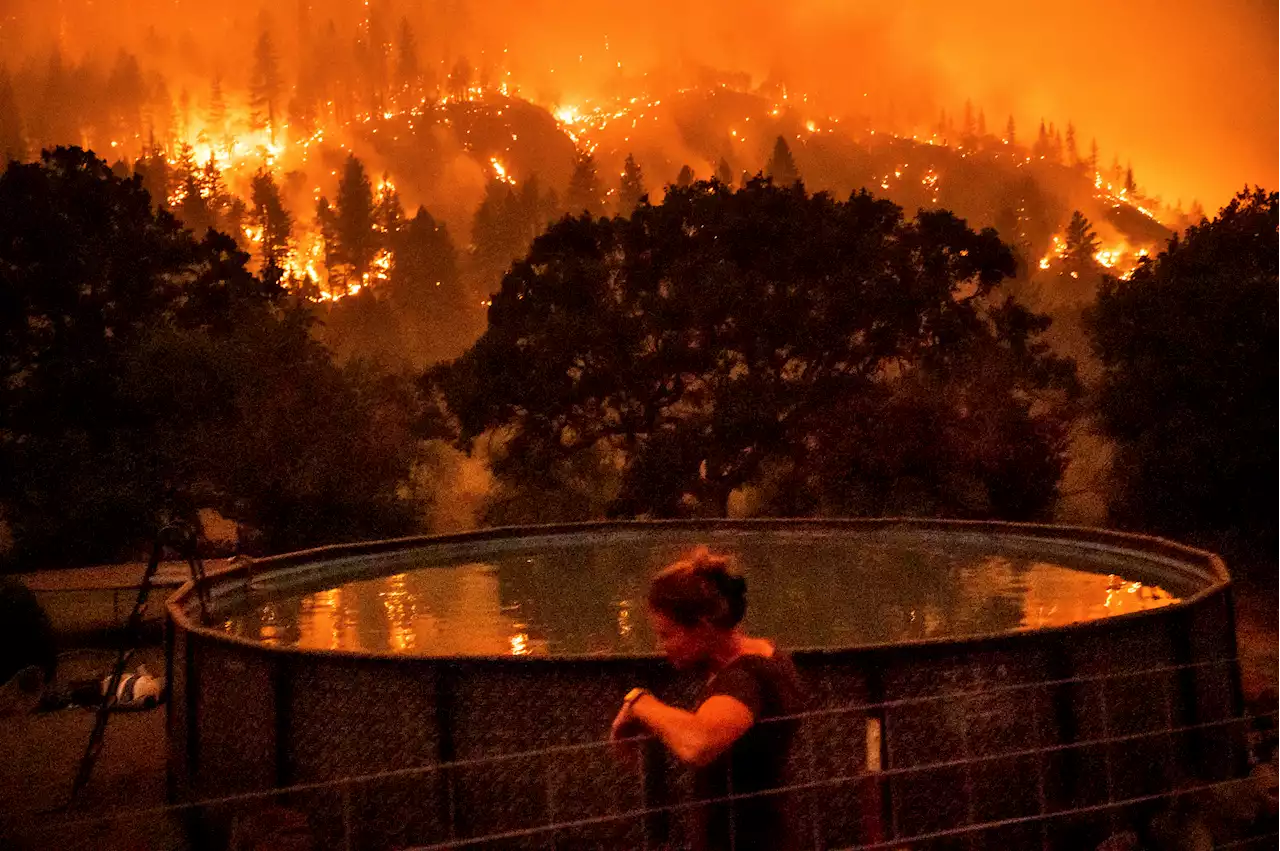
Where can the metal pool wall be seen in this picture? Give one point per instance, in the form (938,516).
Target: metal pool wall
(1019,740)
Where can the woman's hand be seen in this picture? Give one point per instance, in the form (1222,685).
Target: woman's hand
(623,735)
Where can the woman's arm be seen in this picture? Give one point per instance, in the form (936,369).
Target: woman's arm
(694,737)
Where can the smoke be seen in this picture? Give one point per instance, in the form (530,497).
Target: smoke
(1186,91)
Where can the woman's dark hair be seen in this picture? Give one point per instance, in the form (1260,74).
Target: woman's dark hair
(700,587)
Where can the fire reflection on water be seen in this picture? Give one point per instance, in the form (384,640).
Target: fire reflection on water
(523,608)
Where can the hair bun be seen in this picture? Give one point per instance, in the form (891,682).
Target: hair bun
(703,585)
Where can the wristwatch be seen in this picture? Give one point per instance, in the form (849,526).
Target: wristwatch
(632,696)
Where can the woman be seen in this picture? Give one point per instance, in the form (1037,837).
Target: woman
(696,606)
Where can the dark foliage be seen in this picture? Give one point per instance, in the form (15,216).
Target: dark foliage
(1188,347)
(144,370)
(831,353)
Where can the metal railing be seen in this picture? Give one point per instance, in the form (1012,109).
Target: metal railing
(331,811)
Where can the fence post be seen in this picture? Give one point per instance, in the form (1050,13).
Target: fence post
(346,816)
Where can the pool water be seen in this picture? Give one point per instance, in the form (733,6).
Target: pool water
(581,597)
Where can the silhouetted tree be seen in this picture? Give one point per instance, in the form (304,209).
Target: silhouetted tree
(265,85)
(194,210)
(1129,184)
(55,123)
(1072,152)
(427,292)
(1081,243)
(724,174)
(584,187)
(631,187)
(969,131)
(982,123)
(685,177)
(1079,273)
(782,166)
(176,380)
(216,119)
(1041,146)
(153,172)
(354,222)
(214,188)
(1010,132)
(274,222)
(126,93)
(408,74)
(12,145)
(724,339)
(327,225)
(1188,347)
(388,213)
(460,79)
(504,225)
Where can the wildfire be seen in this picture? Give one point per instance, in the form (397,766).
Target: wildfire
(500,171)
(236,147)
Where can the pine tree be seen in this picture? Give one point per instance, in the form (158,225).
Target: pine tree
(388,212)
(1093,157)
(1077,278)
(12,146)
(184,171)
(1041,146)
(1009,133)
(1073,154)
(1129,184)
(354,220)
(584,187)
(153,169)
(424,284)
(213,187)
(1055,147)
(126,94)
(194,210)
(724,174)
(408,76)
(460,79)
(631,187)
(264,86)
(184,114)
(970,129)
(982,123)
(1081,244)
(216,118)
(782,166)
(274,222)
(685,177)
(327,226)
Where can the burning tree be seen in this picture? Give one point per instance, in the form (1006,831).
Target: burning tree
(714,342)
(265,85)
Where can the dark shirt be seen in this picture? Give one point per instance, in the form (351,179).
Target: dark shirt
(756,762)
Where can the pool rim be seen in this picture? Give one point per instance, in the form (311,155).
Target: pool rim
(1195,565)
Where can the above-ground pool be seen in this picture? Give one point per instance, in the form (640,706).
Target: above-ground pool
(987,684)
(584,593)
